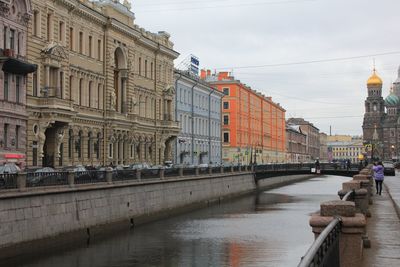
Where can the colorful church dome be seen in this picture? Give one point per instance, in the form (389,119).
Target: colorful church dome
(374,79)
(392,99)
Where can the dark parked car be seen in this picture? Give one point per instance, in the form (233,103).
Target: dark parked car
(389,168)
(81,174)
(45,176)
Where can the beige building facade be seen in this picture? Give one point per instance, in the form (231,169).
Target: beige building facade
(103,90)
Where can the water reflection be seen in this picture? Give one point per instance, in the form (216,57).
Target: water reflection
(270,229)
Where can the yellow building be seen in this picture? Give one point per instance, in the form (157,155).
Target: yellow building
(103,90)
(346,150)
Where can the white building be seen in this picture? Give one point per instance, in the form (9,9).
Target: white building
(198,109)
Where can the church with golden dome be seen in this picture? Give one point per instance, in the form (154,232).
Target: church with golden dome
(381,125)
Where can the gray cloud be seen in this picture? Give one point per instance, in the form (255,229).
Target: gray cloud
(289,32)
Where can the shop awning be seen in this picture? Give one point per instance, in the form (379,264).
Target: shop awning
(19,67)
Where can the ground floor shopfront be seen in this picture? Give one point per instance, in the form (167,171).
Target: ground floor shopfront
(74,140)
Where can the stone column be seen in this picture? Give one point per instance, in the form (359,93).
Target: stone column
(353,228)
(365,183)
(360,196)
(71,179)
(109,174)
(21,181)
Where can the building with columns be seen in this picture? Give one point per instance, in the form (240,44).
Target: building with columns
(14,18)
(198,109)
(103,92)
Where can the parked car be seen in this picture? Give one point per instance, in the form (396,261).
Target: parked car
(9,168)
(42,176)
(81,173)
(389,168)
(141,166)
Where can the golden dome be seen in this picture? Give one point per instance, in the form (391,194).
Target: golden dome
(374,79)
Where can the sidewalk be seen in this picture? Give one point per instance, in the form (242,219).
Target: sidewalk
(383,227)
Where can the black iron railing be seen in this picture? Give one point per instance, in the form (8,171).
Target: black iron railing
(8,181)
(325,249)
(46,179)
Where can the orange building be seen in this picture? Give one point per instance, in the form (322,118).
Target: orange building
(253,126)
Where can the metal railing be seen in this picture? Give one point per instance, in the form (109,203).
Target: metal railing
(8,181)
(46,179)
(325,249)
(89,177)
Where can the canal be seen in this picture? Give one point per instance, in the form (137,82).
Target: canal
(270,229)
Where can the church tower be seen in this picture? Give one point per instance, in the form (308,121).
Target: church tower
(374,109)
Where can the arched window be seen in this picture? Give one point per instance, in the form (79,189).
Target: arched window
(375,107)
(79,144)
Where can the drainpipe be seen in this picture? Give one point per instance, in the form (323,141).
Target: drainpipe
(209,124)
(192,132)
(176,114)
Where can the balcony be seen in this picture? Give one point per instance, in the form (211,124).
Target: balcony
(50,98)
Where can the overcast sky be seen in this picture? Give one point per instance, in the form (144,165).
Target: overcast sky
(231,34)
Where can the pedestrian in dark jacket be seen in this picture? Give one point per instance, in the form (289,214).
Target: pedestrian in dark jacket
(378,176)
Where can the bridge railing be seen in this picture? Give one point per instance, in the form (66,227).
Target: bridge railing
(325,249)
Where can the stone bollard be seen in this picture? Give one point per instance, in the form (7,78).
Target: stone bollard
(162,173)
(210,170)
(366,184)
(232,168)
(139,174)
(353,228)
(222,169)
(180,171)
(197,171)
(21,181)
(240,168)
(71,179)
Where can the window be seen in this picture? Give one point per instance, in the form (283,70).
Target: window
(79,144)
(5,37)
(34,84)
(98,146)
(226,120)
(110,150)
(17,88)
(19,36)
(6,85)
(81,42)
(17,133)
(145,68)
(151,70)
(61,84)
(12,39)
(226,137)
(71,38)
(140,66)
(90,46)
(5,135)
(80,92)
(226,91)
(98,96)
(36,23)
(132,151)
(226,105)
(49,26)
(99,49)
(89,144)
(70,143)
(90,94)
(61,32)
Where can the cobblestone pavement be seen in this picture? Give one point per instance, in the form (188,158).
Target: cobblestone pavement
(384,226)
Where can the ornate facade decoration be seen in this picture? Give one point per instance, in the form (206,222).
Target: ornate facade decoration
(93,122)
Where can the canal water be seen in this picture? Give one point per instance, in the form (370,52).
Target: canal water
(270,229)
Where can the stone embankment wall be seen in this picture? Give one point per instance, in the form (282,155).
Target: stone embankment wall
(48,212)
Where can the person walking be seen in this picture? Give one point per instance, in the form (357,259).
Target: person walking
(378,176)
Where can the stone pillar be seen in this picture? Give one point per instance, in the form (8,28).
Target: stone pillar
(162,173)
(138,174)
(71,179)
(210,170)
(180,171)
(222,169)
(353,228)
(232,169)
(21,181)
(365,183)
(109,177)
(197,170)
